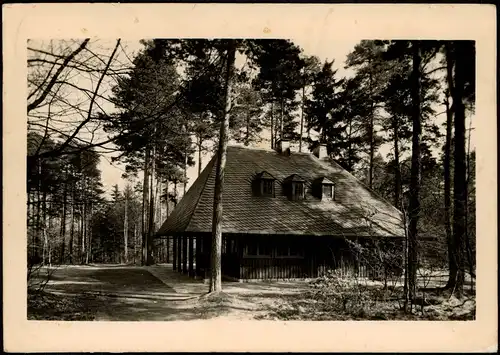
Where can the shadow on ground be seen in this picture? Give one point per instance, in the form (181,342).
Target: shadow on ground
(111,293)
(131,293)
(157,293)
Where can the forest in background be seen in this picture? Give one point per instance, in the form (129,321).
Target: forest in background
(170,101)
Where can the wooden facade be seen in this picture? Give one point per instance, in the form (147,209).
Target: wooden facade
(264,257)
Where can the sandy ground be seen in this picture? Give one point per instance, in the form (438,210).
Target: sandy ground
(156,293)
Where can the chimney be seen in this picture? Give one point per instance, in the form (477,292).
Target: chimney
(320,151)
(283,146)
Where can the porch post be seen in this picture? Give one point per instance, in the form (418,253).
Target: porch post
(179,249)
(191,255)
(207,247)
(174,252)
(168,249)
(198,255)
(184,253)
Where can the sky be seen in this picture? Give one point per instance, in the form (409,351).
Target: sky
(323,48)
(337,50)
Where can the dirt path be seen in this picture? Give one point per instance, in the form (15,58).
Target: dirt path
(120,293)
(133,293)
(157,293)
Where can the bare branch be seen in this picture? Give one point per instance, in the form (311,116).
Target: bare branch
(43,81)
(68,59)
(89,115)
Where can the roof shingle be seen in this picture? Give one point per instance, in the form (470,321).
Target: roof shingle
(356,210)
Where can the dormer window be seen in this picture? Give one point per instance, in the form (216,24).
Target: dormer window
(324,189)
(267,187)
(327,191)
(264,184)
(294,187)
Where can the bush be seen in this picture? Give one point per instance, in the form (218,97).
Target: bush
(342,294)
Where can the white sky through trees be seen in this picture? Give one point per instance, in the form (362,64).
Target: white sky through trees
(323,48)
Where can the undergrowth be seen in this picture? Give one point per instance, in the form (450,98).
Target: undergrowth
(334,297)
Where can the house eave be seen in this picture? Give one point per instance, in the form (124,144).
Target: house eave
(280,233)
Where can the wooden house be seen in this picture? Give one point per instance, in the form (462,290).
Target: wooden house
(286,215)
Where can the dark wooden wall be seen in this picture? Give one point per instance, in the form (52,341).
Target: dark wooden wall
(318,256)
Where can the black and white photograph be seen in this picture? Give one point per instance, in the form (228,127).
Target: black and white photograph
(250,178)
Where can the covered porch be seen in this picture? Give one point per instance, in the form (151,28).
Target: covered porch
(264,257)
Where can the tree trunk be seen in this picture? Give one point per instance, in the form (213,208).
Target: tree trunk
(125,229)
(175,193)
(89,234)
(31,219)
(157,200)
(49,251)
(159,207)
(447,184)
(272,124)
(45,238)
(397,175)
(36,243)
(414,203)
(63,224)
(459,187)
(247,136)
(72,228)
(216,272)
(135,243)
(200,143)
(185,169)
(167,202)
(302,117)
(371,134)
(470,259)
(83,230)
(350,162)
(150,232)
(145,206)
(406,294)
(281,118)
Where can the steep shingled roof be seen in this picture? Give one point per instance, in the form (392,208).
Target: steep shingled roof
(356,210)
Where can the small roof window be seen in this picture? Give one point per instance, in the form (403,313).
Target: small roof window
(324,189)
(294,187)
(263,184)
